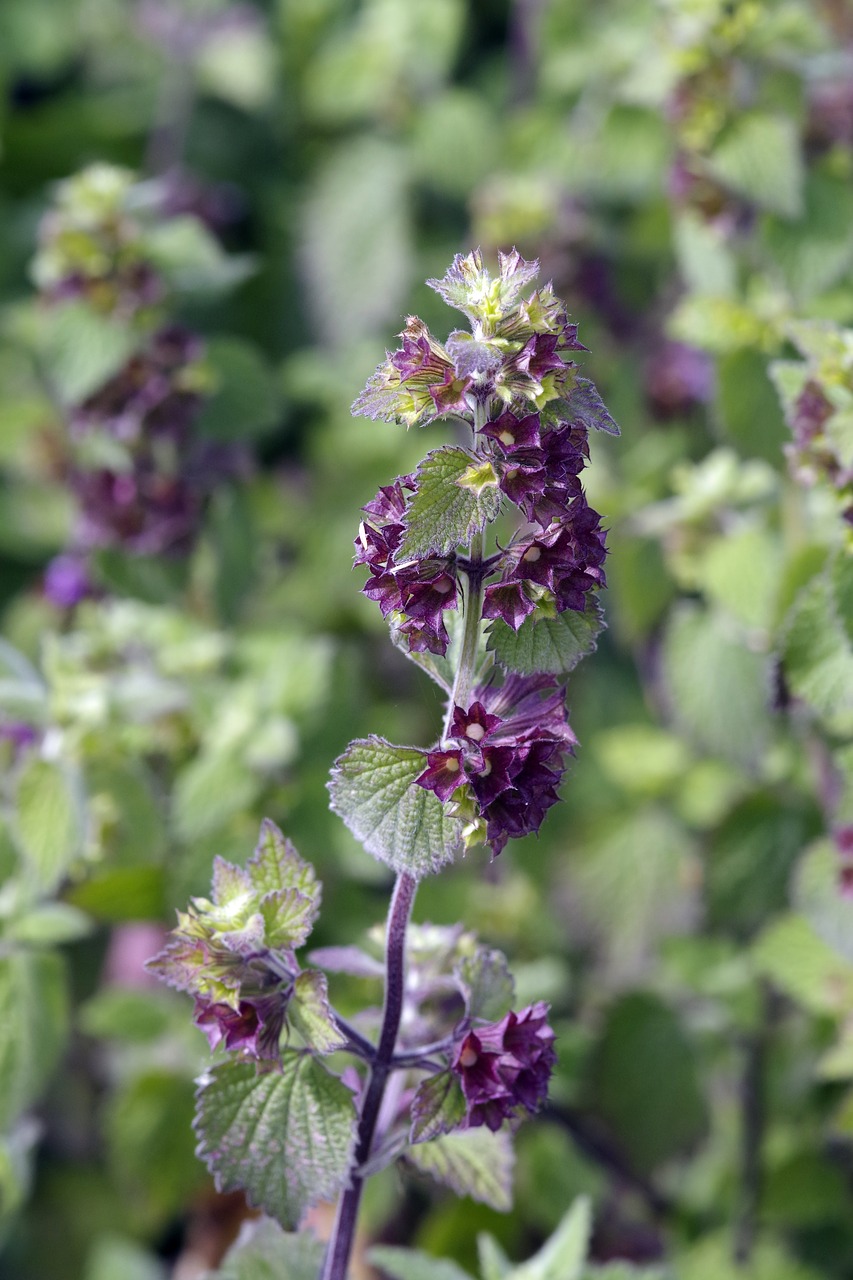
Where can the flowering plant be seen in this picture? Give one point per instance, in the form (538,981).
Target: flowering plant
(498,626)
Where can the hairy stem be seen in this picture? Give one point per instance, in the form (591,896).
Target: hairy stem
(340,1245)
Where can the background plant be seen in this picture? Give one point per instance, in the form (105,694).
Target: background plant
(683,175)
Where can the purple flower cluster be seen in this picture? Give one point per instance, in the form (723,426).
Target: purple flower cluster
(511,742)
(254,1028)
(504,1067)
(414,591)
(148,494)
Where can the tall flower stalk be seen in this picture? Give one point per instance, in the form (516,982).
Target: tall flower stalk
(486,562)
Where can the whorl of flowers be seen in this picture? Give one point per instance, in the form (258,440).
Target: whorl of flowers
(511,386)
(131,453)
(504,1067)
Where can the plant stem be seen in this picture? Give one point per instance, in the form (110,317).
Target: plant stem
(340,1245)
(474,569)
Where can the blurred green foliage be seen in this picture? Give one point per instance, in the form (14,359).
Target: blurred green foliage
(683,170)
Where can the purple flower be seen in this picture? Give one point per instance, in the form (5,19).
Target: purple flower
(417,384)
(678,377)
(510,755)
(66,581)
(563,563)
(415,591)
(504,1067)
(254,1027)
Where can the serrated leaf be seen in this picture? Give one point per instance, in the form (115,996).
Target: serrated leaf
(310,1014)
(264,1252)
(282,1137)
(275,864)
(400,824)
(583,404)
(445,512)
(554,645)
(486,984)
(563,1255)
(759,158)
(49,821)
(472,1162)
(437,1107)
(288,917)
(411,1264)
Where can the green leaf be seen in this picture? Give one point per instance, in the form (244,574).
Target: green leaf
(437,1107)
(81,350)
(148,1126)
(113,1256)
(759,158)
(275,864)
(121,893)
(494,1264)
(562,1257)
(453,502)
(310,1014)
(472,1162)
(356,252)
(282,1137)
(643,1082)
(717,686)
(547,644)
(411,1264)
(49,821)
(209,790)
(34,1018)
(246,402)
(50,924)
(817,652)
(191,258)
(264,1252)
(486,983)
(400,824)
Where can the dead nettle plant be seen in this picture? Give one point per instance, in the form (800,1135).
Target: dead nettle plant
(303,1106)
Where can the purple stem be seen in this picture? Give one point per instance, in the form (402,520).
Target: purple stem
(340,1244)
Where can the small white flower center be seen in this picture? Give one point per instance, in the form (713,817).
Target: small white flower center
(506,437)
(532,555)
(475,732)
(443,586)
(468,1057)
(451,765)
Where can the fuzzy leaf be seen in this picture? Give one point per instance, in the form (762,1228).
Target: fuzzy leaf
(437,1107)
(400,824)
(248,1123)
(275,864)
(451,505)
(309,1013)
(288,917)
(82,349)
(583,404)
(264,1252)
(472,1162)
(411,1264)
(554,645)
(486,983)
